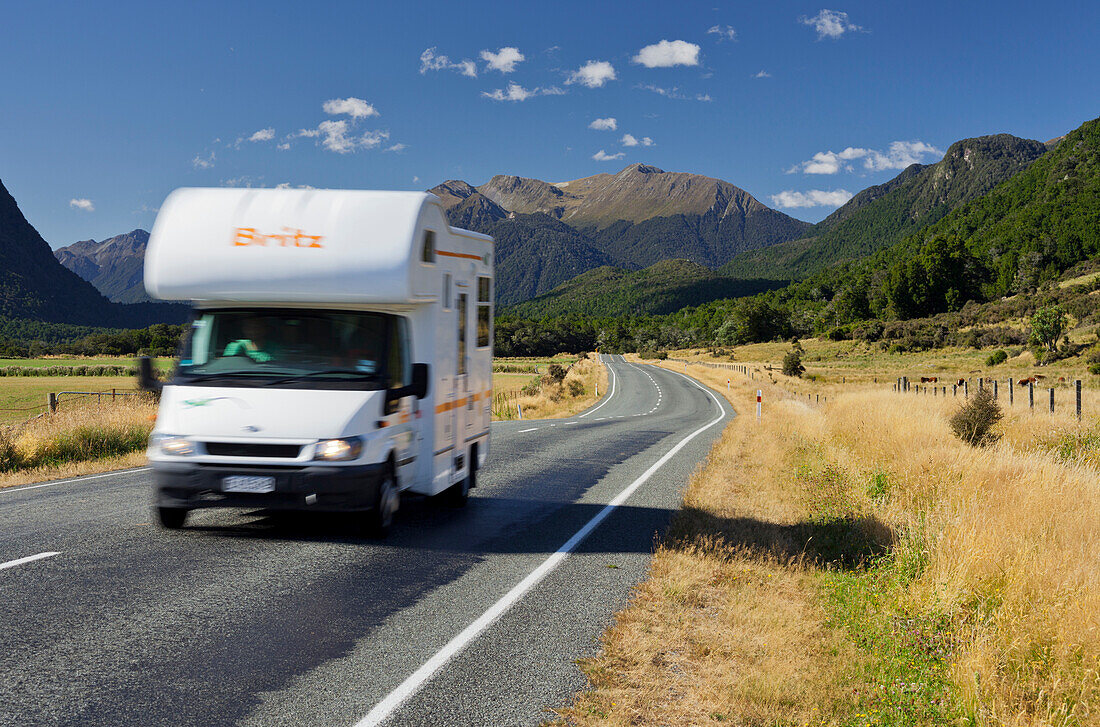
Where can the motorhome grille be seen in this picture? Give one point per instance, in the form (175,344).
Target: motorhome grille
(239,449)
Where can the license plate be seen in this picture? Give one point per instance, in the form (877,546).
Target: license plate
(244,483)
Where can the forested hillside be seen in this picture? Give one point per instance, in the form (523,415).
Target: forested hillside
(881,216)
(662,288)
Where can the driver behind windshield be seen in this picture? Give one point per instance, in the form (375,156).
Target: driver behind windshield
(257,343)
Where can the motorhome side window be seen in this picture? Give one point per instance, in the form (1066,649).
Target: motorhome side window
(427,254)
(484,312)
(446,291)
(399,366)
(461,334)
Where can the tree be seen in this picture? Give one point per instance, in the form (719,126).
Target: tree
(792,363)
(1047,326)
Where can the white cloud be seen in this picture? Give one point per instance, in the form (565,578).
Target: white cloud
(830,24)
(900,155)
(284,146)
(416,180)
(82,203)
(593,74)
(338,136)
(674,92)
(608,124)
(356,108)
(504,60)
(630,140)
(813,198)
(602,156)
(429,61)
(203,162)
(516,92)
(762,74)
(263,135)
(398,147)
(724,32)
(668,53)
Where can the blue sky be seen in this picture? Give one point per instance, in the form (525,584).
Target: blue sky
(106,107)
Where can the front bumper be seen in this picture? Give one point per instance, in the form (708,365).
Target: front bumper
(324,489)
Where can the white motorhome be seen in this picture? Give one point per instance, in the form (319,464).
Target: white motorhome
(340,352)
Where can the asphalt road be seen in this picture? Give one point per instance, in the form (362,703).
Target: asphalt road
(460,617)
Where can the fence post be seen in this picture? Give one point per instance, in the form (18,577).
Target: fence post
(966,389)
(981,383)
(51,402)
(1077,386)
(1031,395)
(994,389)
(1052,400)
(1011,389)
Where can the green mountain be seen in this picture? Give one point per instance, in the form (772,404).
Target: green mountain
(34,285)
(116,266)
(882,215)
(1026,231)
(661,288)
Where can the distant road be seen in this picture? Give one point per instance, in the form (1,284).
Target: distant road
(460,617)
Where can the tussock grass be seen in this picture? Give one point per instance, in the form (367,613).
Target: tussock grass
(855,563)
(543,398)
(78,440)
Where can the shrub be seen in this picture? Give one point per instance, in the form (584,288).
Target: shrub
(582,356)
(1095,369)
(792,364)
(974,421)
(995,358)
(10,459)
(556,372)
(576,387)
(531,388)
(659,355)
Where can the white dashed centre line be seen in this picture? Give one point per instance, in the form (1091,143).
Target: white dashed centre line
(532,429)
(28,559)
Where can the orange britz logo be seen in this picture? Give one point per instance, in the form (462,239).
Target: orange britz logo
(289,237)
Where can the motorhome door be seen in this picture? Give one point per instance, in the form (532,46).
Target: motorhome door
(462,386)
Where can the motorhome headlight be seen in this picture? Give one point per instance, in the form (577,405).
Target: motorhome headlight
(174,445)
(338,450)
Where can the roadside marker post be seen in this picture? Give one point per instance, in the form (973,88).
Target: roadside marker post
(728,385)
(759,396)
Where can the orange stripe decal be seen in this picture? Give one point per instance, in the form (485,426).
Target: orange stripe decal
(457,254)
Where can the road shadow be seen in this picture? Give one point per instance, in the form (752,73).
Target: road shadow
(487,525)
(845,543)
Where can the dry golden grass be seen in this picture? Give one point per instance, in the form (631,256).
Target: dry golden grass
(992,563)
(556,401)
(72,441)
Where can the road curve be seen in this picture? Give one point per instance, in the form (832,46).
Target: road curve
(472,616)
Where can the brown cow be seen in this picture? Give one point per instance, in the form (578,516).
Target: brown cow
(961,382)
(1028,380)
(928,379)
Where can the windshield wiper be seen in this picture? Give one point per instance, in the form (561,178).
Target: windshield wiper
(327,372)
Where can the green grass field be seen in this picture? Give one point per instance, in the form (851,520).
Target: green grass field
(162,363)
(21,397)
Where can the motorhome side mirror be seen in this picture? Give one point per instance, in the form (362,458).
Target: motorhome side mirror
(421,373)
(147,380)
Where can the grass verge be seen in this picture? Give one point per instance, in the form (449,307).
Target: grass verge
(854,564)
(542,397)
(81,440)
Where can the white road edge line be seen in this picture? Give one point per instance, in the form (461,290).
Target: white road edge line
(28,559)
(6,490)
(610,394)
(418,678)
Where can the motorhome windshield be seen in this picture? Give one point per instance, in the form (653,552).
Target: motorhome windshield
(265,347)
